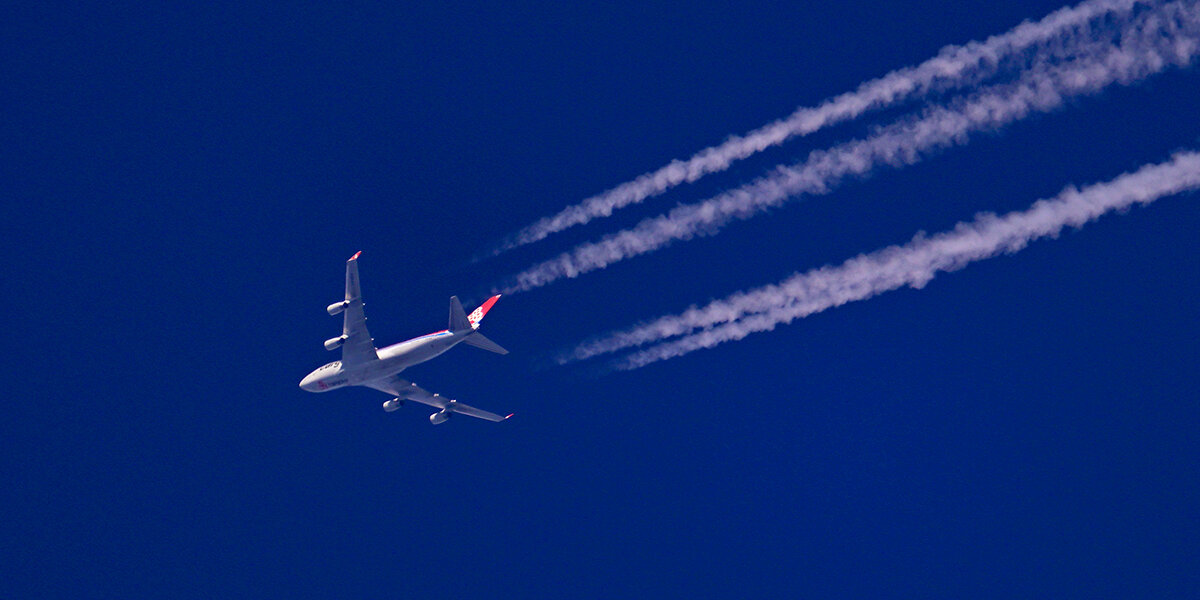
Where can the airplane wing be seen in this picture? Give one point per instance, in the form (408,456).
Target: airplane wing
(471,411)
(358,346)
(407,390)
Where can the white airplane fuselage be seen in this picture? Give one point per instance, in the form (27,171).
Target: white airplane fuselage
(363,364)
(392,360)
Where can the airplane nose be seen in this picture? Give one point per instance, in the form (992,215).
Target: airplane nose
(304,383)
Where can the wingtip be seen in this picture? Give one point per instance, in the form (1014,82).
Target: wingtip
(510,415)
(355,257)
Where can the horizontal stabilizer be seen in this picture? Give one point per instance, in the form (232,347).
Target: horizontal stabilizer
(458,316)
(476,339)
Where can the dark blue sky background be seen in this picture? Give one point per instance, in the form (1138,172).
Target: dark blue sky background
(182,187)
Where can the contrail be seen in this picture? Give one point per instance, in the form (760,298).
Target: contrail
(953,67)
(913,264)
(1155,40)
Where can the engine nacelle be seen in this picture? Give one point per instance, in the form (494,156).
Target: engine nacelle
(393,404)
(337,307)
(335,343)
(440,417)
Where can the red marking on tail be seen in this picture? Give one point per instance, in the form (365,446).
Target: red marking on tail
(477,315)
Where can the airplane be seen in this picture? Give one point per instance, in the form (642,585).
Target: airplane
(364,365)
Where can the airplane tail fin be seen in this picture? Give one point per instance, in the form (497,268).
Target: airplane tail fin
(476,339)
(460,321)
(478,314)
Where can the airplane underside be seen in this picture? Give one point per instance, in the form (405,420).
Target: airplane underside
(364,365)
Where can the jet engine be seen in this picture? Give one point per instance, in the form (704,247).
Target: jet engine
(393,404)
(440,417)
(335,343)
(337,307)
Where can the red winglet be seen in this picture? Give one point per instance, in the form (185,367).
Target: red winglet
(509,416)
(355,257)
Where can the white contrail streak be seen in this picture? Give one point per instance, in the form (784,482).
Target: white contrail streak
(953,67)
(1155,40)
(913,264)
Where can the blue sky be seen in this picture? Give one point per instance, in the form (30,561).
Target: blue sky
(184,185)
